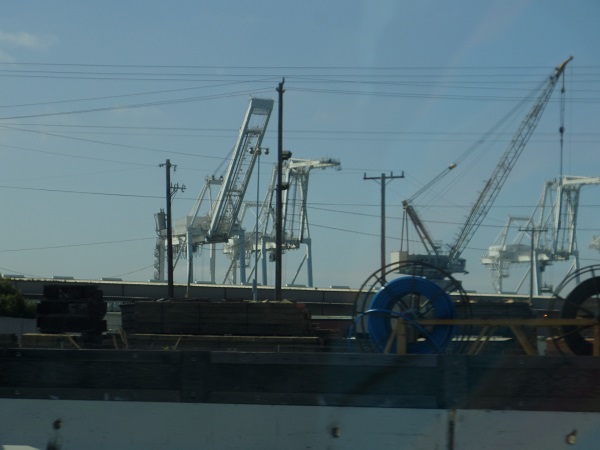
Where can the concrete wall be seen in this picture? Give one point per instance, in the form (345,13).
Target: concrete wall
(103,425)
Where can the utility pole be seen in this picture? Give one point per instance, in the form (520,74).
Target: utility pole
(170,192)
(533,269)
(383,180)
(258,151)
(279,198)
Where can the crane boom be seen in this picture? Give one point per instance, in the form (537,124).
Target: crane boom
(422,231)
(450,261)
(488,195)
(211,220)
(235,182)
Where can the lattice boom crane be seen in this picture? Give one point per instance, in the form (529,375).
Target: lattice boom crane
(451,262)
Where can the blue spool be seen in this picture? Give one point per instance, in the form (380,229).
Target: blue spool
(381,312)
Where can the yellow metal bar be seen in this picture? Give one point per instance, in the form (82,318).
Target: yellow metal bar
(523,341)
(399,334)
(477,344)
(488,326)
(511,322)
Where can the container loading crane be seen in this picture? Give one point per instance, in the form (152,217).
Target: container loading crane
(213,221)
(548,236)
(450,260)
(595,243)
(261,241)
(217,218)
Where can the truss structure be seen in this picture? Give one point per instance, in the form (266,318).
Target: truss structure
(258,246)
(214,218)
(220,210)
(595,243)
(549,235)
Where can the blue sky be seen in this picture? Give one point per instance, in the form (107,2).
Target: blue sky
(97,94)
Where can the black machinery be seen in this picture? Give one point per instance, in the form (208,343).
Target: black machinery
(72,308)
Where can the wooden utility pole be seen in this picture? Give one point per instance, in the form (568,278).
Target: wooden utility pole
(383,180)
(279,197)
(170,191)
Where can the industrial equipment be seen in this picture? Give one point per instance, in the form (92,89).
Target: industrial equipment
(450,259)
(595,243)
(215,220)
(218,217)
(387,314)
(548,236)
(296,232)
(70,308)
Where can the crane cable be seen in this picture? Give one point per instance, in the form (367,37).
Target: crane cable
(471,149)
(562,123)
(483,139)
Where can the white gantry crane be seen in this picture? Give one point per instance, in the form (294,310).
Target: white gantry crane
(450,260)
(215,220)
(295,226)
(548,236)
(595,243)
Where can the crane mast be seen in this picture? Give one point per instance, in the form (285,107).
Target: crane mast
(553,234)
(295,225)
(452,261)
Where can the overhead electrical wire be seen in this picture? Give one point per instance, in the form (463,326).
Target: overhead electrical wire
(135,94)
(67,191)
(206,97)
(54,247)
(135,147)
(138,105)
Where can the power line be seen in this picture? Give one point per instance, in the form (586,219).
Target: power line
(138,105)
(428,95)
(114,144)
(64,191)
(54,247)
(280,67)
(135,94)
(75,156)
(353,132)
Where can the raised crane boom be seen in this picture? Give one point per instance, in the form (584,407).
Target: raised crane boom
(235,182)
(211,220)
(493,186)
(451,261)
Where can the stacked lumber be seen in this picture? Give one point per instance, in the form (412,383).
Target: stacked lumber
(217,318)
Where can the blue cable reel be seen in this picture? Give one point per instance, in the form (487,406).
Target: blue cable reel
(411,298)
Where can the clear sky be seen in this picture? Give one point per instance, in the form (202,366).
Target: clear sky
(95,95)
